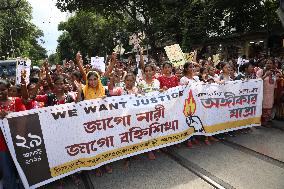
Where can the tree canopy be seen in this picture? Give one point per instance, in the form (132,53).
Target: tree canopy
(18,34)
(186,22)
(90,33)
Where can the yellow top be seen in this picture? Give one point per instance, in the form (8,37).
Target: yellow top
(93,93)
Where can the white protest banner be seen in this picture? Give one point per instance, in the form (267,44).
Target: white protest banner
(106,130)
(23,65)
(99,63)
(175,55)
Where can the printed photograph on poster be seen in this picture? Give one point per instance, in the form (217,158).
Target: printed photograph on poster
(23,66)
(98,63)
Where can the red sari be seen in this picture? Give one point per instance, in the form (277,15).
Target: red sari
(15,105)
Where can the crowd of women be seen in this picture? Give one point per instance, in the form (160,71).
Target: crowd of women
(74,82)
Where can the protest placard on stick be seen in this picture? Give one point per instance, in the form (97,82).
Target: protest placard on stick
(175,55)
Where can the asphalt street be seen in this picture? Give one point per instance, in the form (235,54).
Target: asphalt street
(246,161)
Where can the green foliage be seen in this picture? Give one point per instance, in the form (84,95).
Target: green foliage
(19,33)
(53,59)
(186,22)
(88,32)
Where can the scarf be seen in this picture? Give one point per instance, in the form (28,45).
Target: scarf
(91,93)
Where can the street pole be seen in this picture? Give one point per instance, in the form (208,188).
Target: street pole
(12,43)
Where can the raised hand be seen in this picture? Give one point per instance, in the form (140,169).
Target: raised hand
(268,73)
(45,65)
(141,50)
(114,56)
(79,59)
(78,85)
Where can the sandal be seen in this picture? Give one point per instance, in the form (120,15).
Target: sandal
(98,172)
(151,155)
(126,164)
(108,169)
(189,144)
(213,139)
(207,142)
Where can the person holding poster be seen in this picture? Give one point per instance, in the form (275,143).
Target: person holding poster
(6,163)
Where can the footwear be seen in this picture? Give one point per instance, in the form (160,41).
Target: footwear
(108,169)
(195,141)
(189,144)
(126,164)
(207,142)
(151,155)
(98,172)
(213,139)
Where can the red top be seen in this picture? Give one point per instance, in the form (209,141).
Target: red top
(169,82)
(15,105)
(33,104)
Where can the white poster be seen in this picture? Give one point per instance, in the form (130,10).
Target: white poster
(99,63)
(175,55)
(23,66)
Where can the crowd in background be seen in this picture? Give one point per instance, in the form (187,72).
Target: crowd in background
(75,81)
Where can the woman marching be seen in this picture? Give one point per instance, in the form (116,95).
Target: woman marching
(188,79)
(268,76)
(7,105)
(146,85)
(93,89)
(127,89)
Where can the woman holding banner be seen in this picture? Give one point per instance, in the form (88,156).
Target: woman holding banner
(146,85)
(268,76)
(92,90)
(7,169)
(188,79)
